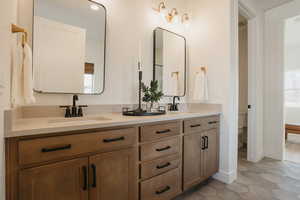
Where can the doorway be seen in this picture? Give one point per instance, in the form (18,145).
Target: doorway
(292,89)
(243,87)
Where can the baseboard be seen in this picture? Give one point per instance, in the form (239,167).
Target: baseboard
(226,177)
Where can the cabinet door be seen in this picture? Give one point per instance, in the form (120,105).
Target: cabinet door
(211,153)
(193,159)
(113,176)
(60,181)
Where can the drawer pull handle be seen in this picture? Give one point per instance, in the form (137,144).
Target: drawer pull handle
(85,181)
(167,188)
(196,125)
(164,131)
(163,149)
(213,122)
(114,139)
(94,184)
(46,150)
(203,143)
(163,166)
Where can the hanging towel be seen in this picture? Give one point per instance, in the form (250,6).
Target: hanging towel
(21,80)
(201,87)
(27,75)
(16,74)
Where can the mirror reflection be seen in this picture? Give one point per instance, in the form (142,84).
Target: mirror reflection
(69,46)
(170,62)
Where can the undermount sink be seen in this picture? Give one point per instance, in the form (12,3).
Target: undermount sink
(79,119)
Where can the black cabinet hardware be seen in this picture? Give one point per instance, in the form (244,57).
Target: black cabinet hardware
(167,188)
(45,150)
(163,149)
(212,122)
(67,111)
(164,131)
(85,177)
(195,125)
(94,171)
(114,139)
(206,140)
(163,166)
(203,143)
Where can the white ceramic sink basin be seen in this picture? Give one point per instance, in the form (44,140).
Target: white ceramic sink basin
(78,119)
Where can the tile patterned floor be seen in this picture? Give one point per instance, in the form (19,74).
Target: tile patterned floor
(266,180)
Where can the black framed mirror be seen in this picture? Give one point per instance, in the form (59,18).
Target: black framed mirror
(169,62)
(69,46)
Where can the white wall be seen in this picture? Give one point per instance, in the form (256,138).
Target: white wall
(211,44)
(274,78)
(6,17)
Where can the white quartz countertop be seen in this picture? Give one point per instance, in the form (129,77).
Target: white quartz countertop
(39,126)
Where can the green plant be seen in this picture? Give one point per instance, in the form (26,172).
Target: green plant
(151,94)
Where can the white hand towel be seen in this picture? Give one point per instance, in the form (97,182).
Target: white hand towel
(21,79)
(201,87)
(27,75)
(16,76)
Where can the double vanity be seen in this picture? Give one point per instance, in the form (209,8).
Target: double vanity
(104,156)
(111,157)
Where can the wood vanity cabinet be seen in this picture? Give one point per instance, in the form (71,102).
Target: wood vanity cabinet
(109,171)
(153,161)
(201,150)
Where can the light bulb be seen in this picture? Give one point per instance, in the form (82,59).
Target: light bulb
(163,11)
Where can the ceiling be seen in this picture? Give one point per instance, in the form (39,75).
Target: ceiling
(268,4)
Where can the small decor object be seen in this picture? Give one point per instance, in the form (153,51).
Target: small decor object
(151,94)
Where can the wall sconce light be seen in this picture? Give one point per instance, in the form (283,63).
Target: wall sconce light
(162,9)
(173,15)
(185,19)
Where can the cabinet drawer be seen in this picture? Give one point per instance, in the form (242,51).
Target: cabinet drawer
(52,148)
(153,132)
(162,187)
(163,148)
(159,166)
(195,125)
(212,122)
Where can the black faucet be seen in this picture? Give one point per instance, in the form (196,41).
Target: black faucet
(76,111)
(174,105)
(74,107)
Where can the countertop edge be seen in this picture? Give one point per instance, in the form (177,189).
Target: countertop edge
(64,129)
